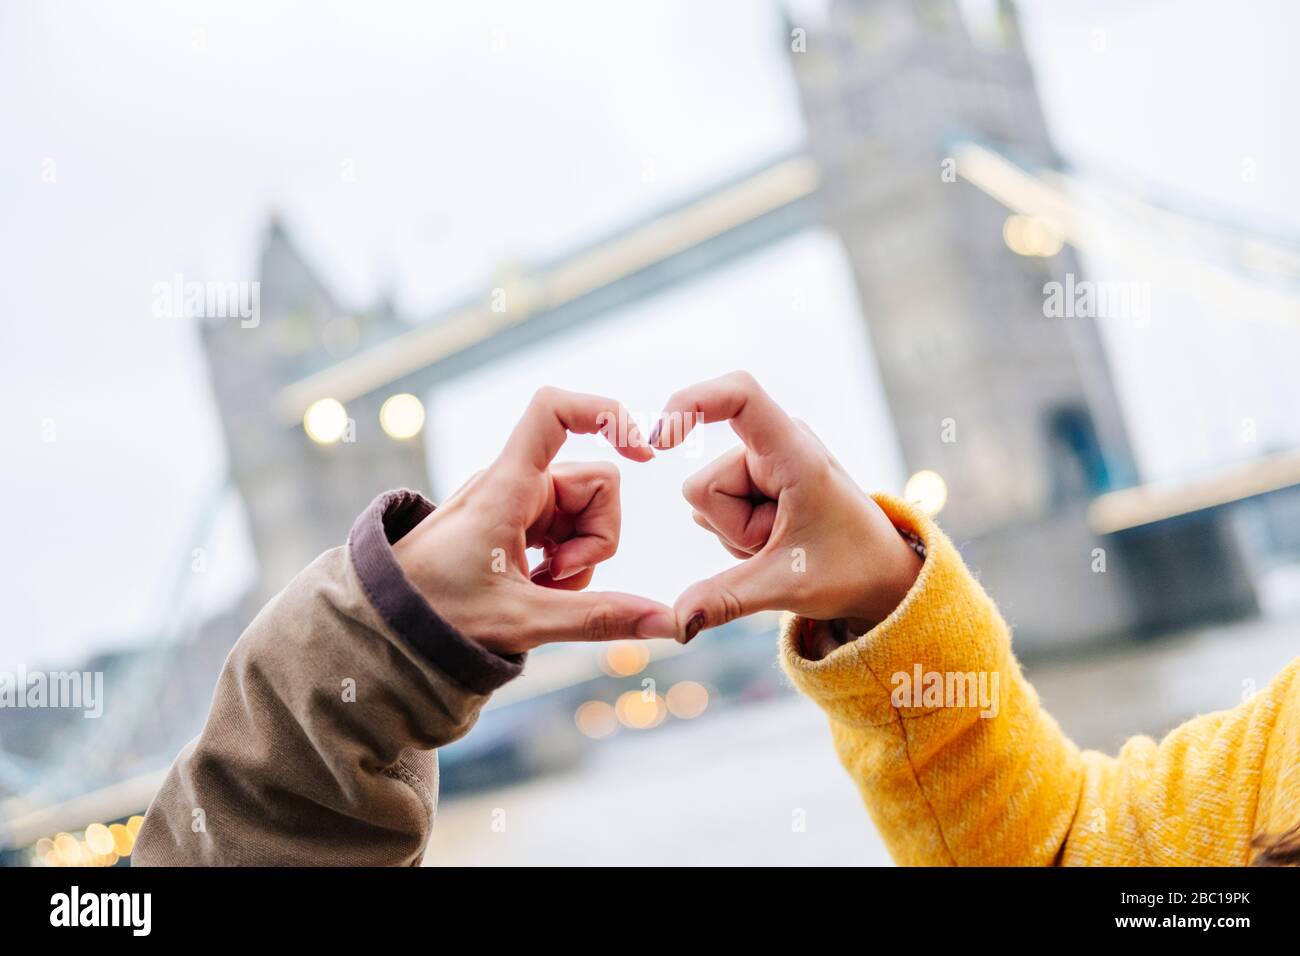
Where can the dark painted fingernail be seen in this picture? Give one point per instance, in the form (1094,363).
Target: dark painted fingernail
(654,432)
(694,626)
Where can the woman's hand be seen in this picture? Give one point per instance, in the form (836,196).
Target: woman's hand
(810,541)
(469,556)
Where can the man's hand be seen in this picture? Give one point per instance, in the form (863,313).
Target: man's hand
(469,557)
(810,541)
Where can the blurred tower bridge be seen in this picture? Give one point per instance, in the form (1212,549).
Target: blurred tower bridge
(896,96)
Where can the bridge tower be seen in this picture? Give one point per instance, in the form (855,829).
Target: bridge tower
(1016,411)
(300,496)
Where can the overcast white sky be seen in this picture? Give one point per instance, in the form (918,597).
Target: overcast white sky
(479,133)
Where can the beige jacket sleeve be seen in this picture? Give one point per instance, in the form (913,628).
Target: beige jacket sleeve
(320,747)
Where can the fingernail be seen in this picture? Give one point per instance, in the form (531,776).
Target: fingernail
(561,575)
(657,624)
(654,432)
(693,626)
(542,568)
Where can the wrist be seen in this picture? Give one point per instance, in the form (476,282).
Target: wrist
(895,557)
(389,555)
(422,555)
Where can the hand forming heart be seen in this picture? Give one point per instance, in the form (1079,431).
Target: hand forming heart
(811,541)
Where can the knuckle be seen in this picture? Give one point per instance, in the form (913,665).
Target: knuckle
(677,400)
(728,606)
(599,624)
(695,489)
(545,396)
(743,380)
(813,466)
(822,468)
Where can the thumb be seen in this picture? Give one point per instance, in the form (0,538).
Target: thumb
(733,594)
(558,615)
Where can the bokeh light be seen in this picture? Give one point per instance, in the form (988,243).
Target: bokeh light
(100,845)
(44,847)
(325,421)
(1032,236)
(640,711)
(596,719)
(625,658)
(687,699)
(123,841)
(99,839)
(402,416)
(927,490)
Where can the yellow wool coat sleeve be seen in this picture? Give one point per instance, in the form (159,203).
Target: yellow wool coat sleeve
(958,763)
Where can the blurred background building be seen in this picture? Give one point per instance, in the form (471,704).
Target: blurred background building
(924,205)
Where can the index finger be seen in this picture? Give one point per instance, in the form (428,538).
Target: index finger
(554,413)
(760,422)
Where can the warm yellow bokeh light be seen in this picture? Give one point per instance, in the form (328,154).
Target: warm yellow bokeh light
(402,416)
(639,710)
(99,839)
(69,851)
(927,490)
(687,699)
(133,826)
(1031,236)
(325,421)
(596,719)
(625,658)
(122,839)
(65,843)
(98,848)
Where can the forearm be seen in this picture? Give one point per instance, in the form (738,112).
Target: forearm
(319,745)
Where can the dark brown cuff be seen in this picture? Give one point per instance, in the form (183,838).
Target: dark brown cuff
(388,518)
